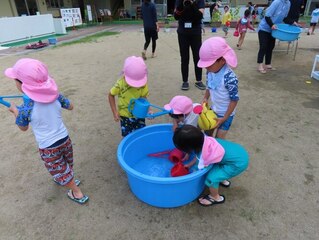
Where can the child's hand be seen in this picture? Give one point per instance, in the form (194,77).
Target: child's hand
(116,117)
(150,112)
(186,157)
(274,27)
(13,109)
(219,121)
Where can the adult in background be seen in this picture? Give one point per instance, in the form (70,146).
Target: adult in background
(294,12)
(189,14)
(151,27)
(275,14)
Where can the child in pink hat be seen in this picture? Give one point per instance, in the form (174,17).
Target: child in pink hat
(132,84)
(226,159)
(43,112)
(222,83)
(183,113)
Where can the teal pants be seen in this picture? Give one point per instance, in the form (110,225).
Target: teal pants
(234,162)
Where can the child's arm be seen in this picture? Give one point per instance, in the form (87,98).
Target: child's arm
(116,115)
(15,112)
(191,163)
(206,96)
(250,26)
(65,103)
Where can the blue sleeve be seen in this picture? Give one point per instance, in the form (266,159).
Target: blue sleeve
(65,103)
(270,11)
(24,113)
(231,84)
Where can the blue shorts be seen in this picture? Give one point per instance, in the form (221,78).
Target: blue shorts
(128,125)
(226,125)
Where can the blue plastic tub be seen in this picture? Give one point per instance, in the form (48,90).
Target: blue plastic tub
(149,177)
(286,32)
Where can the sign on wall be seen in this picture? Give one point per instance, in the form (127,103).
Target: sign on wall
(71,16)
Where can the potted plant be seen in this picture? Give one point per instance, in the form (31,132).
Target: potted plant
(216,22)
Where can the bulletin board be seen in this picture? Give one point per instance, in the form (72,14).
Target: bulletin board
(71,16)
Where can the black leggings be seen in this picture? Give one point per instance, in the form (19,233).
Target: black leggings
(150,34)
(194,41)
(266,45)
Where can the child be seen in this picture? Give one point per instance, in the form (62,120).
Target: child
(222,83)
(182,108)
(43,113)
(242,26)
(314,20)
(226,20)
(228,159)
(133,84)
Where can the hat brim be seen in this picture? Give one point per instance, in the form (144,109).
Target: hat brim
(229,56)
(168,108)
(46,93)
(136,83)
(10,73)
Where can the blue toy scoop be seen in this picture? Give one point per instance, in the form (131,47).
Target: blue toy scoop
(7,104)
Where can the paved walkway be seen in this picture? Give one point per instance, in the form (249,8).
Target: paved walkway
(73,35)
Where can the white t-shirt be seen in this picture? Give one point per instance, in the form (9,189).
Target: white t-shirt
(315,16)
(47,123)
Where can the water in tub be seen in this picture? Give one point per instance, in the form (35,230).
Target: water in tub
(157,166)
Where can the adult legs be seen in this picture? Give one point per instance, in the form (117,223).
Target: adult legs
(196,42)
(153,46)
(147,42)
(184,44)
(263,38)
(270,48)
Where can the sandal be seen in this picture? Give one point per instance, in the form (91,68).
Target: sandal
(271,68)
(76,181)
(82,200)
(211,200)
(262,70)
(225,183)
(144,56)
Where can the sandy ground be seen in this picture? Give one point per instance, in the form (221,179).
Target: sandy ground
(277,121)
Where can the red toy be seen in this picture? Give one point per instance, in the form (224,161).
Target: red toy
(176,156)
(179,170)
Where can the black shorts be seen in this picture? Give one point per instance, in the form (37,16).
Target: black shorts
(150,34)
(313,24)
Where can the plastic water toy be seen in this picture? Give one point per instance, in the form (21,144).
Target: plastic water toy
(139,108)
(175,156)
(207,117)
(286,32)
(149,177)
(7,104)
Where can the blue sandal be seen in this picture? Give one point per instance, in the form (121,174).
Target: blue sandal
(82,200)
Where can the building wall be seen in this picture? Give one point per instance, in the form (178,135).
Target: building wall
(6,10)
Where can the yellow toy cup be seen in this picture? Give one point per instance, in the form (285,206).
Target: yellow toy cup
(206,120)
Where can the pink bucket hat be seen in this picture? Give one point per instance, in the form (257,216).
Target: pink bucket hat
(135,71)
(214,48)
(36,82)
(180,105)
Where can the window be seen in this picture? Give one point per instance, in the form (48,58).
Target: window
(55,3)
